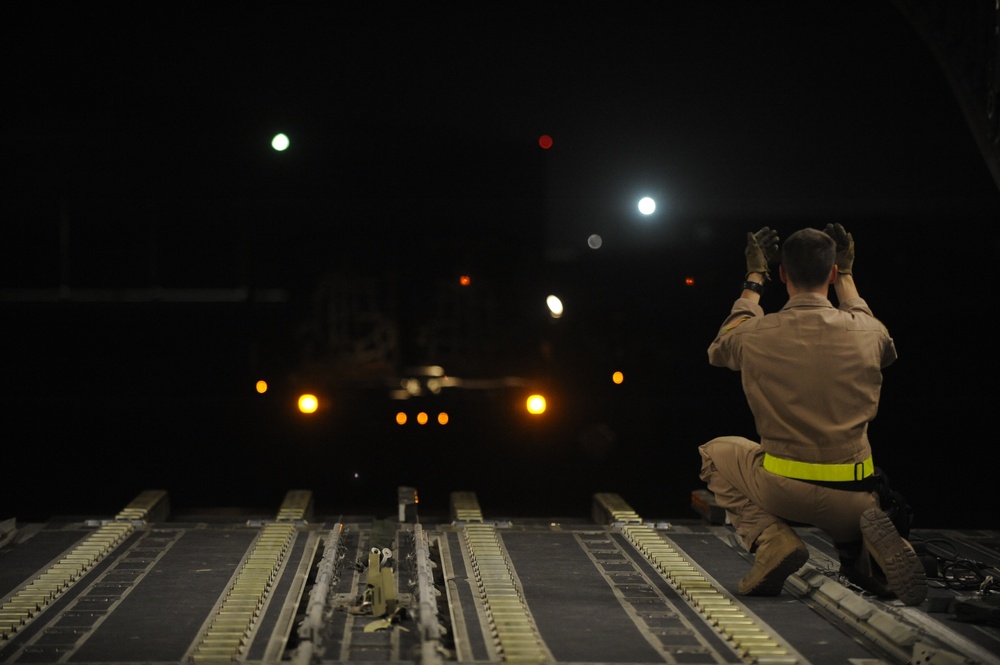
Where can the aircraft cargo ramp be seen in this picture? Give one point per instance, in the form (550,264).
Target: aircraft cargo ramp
(149,586)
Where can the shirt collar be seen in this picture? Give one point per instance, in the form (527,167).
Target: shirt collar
(807,300)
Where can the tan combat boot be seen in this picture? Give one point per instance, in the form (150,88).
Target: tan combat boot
(904,573)
(779,554)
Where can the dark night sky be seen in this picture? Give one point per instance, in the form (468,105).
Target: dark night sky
(144,135)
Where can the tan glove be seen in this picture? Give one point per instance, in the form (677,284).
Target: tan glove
(761,246)
(845,247)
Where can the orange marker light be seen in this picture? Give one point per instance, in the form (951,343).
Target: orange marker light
(308,403)
(536,404)
(262,387)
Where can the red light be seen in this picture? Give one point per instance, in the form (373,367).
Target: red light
(545,141)
(689,281)
(465,280)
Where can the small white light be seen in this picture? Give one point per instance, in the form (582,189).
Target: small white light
(280,142)
(594,241)
(555,306)
(647,205)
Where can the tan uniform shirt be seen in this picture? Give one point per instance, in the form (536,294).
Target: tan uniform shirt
(812,374)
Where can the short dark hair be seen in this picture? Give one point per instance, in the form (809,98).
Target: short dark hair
(808,256)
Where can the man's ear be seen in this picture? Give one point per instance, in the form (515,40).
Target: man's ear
(833,274)
(781,273)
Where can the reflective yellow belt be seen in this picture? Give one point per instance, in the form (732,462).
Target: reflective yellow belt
(826,472)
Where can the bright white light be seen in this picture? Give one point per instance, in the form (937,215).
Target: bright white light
(555,306)
(647,205)
(594,241)
(279,142)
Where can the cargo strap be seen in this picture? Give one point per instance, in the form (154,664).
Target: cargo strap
(822,472)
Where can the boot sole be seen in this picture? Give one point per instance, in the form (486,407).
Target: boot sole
(773,583)
(904,573)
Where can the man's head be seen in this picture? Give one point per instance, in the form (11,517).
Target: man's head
(807,257)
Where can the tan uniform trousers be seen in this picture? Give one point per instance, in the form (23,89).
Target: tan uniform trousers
(754,498)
